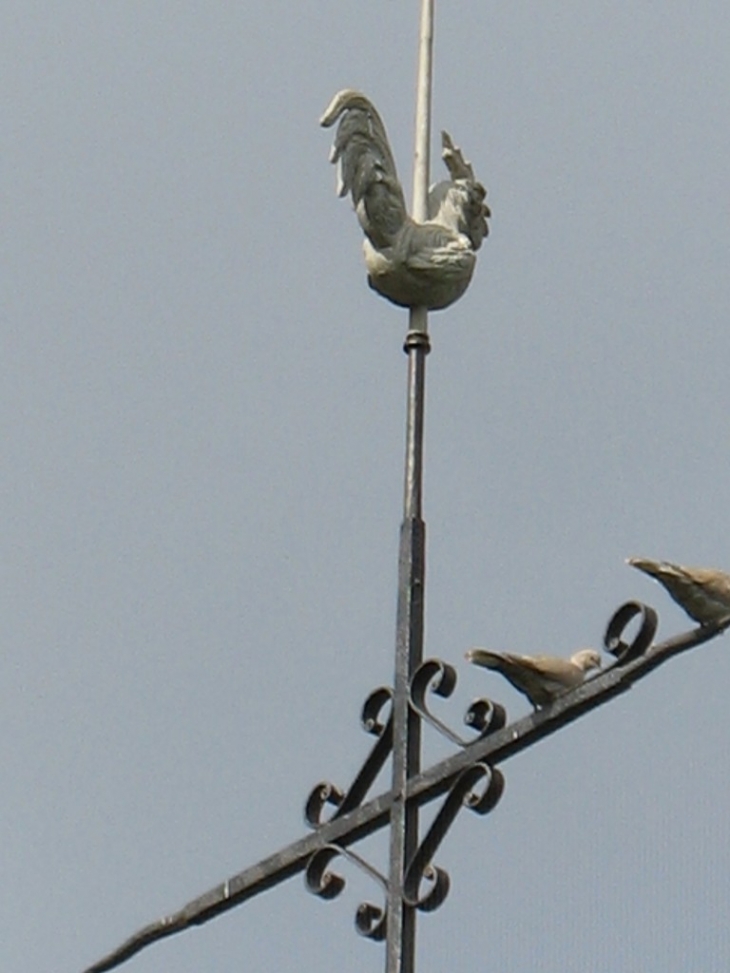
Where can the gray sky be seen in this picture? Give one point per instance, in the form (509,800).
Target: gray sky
(202,409)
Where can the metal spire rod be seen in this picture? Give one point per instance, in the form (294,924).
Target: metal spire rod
(401,916)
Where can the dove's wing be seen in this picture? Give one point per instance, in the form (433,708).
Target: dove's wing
(540,677)
(704,593)
(556,674)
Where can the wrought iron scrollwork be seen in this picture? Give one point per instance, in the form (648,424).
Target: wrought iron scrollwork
(618,623)
(326,793)
(439,677)
(478,787)
(370,919)
(463,793)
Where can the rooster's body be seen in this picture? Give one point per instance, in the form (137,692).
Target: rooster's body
(412,264)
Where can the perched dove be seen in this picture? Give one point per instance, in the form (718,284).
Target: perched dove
(704,593)
(540,677)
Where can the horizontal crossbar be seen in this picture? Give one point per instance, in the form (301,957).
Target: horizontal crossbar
(425,787)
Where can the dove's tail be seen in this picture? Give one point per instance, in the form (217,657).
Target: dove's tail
(483,657)
(656,569)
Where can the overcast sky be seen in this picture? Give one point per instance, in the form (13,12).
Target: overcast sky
(202,411)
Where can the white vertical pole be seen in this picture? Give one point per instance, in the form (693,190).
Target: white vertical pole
(423,112)
(421,166)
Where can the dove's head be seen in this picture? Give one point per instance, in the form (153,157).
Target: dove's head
(586,659)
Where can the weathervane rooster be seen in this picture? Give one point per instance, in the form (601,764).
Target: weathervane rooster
(412,264)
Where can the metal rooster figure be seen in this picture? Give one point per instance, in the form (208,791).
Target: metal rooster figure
(412,264)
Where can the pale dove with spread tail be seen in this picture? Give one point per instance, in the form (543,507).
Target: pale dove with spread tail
(704,593)
(540,677)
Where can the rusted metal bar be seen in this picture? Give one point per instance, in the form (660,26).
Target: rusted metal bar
(401,918)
